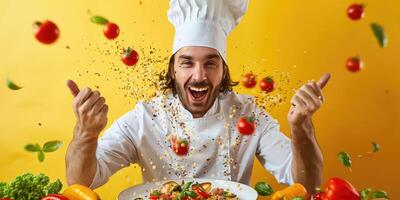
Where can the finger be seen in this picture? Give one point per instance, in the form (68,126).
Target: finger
(88,104)
(104,109)
(314,93)
(315,88)
(299,104)
(82,96)
(98,105)
(323,80)
(308,100)
(320,95)
(73,87)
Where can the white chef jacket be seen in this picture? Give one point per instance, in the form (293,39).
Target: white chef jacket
(216,149)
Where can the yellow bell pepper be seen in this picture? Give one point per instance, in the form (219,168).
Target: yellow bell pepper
(295,190)
(80,192)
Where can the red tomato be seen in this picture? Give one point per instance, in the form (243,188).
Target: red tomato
(267,84)
(111,31)
(249,80)
(180,146)
(46,32)
(245,125)
(130,57)
(54,197)
(339,189)
(354,64)
(355,11)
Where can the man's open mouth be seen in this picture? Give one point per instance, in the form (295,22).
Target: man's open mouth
(198,93)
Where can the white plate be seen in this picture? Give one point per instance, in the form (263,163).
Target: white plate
(244,192)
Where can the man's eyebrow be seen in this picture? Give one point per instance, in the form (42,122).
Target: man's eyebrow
(185,57)
(211,56)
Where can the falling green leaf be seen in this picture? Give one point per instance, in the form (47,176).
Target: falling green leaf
(99,20)
(12,85)
(379,34)
(52,146)
(375,147)
(345,159)
(40,156)
(32,147)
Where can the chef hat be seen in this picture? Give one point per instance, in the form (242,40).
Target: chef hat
(205,23)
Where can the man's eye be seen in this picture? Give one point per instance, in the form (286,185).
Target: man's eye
(186,64)
(210,64)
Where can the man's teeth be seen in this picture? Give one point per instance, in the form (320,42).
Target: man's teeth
(199,89)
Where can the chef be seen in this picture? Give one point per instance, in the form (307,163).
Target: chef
(188,130)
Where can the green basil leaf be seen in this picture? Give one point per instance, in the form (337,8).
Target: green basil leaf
(40,156)
(52,146)
(298,198)
(32,147)
(375,147)
(344,158)
(379,194)
(264,189)
(379,34)
(12,85)
(365,193)
(99,20)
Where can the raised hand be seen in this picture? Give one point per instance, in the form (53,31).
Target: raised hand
(306,101)
(90,111)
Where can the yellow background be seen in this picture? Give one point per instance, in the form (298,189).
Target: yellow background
(299,38)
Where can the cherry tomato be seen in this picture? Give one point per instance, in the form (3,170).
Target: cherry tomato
(54,197)
(245,125)
(111,31)
(130,57)
(180,146)
(249,80)
(354,64)
(267,84)
(355,11)
(46,32)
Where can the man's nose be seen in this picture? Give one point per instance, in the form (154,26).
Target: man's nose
(199,73)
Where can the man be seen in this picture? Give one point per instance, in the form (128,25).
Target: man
(190,130)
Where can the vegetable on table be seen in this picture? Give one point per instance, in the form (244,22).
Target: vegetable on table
(29,186)
(80,192)
(294,191)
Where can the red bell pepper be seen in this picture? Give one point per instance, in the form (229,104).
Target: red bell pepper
(54,197)
(201,192)
(339,189)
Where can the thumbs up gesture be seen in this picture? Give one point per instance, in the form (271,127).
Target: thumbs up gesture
(306,101)
(90,111)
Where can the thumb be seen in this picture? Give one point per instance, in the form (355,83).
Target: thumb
(323,80)
(73,87)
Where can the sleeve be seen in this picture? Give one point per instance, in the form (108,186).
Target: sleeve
(274,151)
(116,148)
